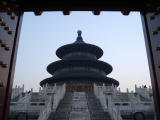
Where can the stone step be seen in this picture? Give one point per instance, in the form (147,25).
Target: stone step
(59,116)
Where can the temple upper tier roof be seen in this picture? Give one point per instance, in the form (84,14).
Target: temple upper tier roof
(79,46)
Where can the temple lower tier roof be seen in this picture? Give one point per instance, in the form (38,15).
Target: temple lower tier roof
(97,64)
(80,76)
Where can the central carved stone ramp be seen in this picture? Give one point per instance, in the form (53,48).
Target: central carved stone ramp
(80,109)
(95,108)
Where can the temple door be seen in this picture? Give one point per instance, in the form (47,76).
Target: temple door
(10,23)
(151,28)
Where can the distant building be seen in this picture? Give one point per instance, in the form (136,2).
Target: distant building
(80,90)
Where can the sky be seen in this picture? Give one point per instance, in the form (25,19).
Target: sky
(120,37)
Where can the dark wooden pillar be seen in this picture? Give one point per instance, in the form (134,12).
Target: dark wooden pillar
(151,28)
(10,24)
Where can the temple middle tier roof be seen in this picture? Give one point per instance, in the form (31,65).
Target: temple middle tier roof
(97,64)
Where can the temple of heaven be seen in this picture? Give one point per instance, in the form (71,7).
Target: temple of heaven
(79,63)
(79,89)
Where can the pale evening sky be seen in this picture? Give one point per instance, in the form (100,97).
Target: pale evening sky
(120,37)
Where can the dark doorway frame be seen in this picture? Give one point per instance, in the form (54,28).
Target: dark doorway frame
(11,14)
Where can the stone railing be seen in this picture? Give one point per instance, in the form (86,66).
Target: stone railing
(55,99)
(17,91)
(108,107)
(102,99)
(26,98)
(115,113)
(44,114)
(26,106)
(18,107)
(135,106)
(142,106)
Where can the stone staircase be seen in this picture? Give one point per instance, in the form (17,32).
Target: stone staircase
(95,108)
(64,108)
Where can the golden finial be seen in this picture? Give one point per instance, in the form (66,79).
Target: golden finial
(79,32)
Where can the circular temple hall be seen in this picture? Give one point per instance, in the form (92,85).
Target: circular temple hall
(79,63)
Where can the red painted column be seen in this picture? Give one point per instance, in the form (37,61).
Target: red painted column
(151,23)
(10,24)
